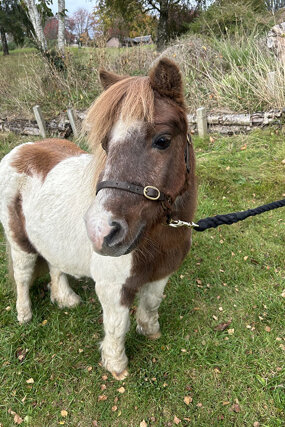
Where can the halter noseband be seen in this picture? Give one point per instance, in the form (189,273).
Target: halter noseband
(149,191)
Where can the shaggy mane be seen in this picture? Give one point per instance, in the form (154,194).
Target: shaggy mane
(129,99)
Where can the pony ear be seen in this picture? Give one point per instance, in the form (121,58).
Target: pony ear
(108,79)
(165,78)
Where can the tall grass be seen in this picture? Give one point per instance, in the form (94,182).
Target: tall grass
(228,72)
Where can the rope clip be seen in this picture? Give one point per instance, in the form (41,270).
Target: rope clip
(178,223)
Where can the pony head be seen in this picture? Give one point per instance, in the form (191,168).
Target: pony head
(138,132)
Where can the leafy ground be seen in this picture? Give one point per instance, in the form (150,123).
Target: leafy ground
(50,371)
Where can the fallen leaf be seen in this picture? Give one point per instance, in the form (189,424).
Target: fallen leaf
(222,326)
(94,423)
(267,329)
(44,322)
(102,397)
(244,147)
(63,413)
(283,294)
(30,381)
(235,408)
(121,390)
(226,403)
(103,387)
(104,377)
(143,423)
(199,405)
(89,369)
(176,420)
(256,424)
(212,140)
(8,308)
(283,162)
(231,331)
(220,308)
(114,408)
(187,400)
(80,350)
(18,419)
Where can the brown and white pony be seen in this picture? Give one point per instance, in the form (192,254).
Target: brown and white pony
(49,208)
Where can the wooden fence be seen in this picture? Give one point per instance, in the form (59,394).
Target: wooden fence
(201,123)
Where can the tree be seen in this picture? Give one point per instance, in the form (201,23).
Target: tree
(82,20)
(61,25)
(159,8)
(36,20)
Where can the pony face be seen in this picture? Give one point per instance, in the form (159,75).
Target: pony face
(145,149)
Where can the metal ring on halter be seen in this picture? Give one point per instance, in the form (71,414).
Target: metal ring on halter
(152,188)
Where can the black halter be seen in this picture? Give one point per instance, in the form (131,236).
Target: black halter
(149,191)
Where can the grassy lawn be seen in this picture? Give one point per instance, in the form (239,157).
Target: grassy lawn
(193,375)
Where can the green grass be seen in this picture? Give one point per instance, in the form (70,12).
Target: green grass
(234,272)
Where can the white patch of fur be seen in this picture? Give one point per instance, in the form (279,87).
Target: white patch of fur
(150,297)
(110,278)
(54,212)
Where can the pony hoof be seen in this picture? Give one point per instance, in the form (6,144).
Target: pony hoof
(24,318)
(154,336)
(69,301)
(121,376)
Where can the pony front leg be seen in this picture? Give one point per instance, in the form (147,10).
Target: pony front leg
(150,297)
(116,325)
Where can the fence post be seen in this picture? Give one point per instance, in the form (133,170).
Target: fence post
(40,121)
(202,122)
(72,120)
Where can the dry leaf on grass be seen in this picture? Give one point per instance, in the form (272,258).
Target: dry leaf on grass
(176,420)
(235,407)
(267,328)
(102,397)
(30,381)
(222,326)
(121,390)
(143,423)
(18,419)
(63,413)
(114,408)
(187,400)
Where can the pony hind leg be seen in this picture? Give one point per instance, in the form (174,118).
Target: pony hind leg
(23,268)
(60,291)
(150,297)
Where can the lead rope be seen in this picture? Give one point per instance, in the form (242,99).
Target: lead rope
(228,219)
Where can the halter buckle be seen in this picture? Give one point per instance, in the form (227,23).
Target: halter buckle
(152,188)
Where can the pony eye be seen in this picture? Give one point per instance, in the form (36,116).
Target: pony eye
(161,142)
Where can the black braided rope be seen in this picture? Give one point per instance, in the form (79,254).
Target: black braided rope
(231,218)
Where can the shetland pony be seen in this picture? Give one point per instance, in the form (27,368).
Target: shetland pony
(49,208)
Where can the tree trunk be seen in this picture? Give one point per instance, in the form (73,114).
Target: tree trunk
(61,25)
(37,24)
(162,28)
(4,42)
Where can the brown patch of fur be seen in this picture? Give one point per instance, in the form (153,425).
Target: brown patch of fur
(163,249)
(40,157)
(18,225)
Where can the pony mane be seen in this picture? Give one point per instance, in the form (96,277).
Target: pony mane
(129,99)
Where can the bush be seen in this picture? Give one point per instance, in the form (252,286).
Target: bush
(231,16)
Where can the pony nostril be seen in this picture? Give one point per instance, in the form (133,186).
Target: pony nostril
(117,234)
